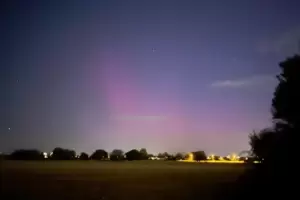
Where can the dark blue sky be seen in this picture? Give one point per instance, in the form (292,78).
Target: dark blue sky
(165,75)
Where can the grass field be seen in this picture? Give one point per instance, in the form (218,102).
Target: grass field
(144,180)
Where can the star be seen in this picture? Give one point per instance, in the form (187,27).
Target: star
(8,128)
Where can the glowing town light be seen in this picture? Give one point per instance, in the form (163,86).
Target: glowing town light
(45,155)
(191,157)
(233,156)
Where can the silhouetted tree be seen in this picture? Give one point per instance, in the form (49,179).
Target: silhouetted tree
(186,156)
(83,156)
(286,100)
(216,157)
(134,155)
(226,158)
(262,143)
(165,154)
(199,155)
(277,147)
(144,154)
(171,157)
(63,154)
(179,156)
(116,155)
(26,154)
(286,110)
(99,154)
(160,155)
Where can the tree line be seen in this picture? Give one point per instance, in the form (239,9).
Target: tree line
(276,146)
(100,154)
(275,142)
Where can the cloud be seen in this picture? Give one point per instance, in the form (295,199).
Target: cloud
(245,82)
(286,44)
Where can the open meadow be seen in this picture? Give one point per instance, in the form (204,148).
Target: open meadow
(115,180)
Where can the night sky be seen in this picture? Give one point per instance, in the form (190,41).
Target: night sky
(164,75)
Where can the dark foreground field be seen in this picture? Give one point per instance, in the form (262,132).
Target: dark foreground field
(86,180)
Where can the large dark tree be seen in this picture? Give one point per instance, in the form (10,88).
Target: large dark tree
(164,155)
(171,157)
(144,154)
(134,155)
(286,111)
(26,154)
(83,156)
(262,143)
(99,154)
(160,155)
(63,154)
(277,145)
(179,156)
(116,155)
(286,100)
(199,155)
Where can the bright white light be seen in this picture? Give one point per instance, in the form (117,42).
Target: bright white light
(45,155)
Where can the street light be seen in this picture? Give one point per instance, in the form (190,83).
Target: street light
(45,155)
